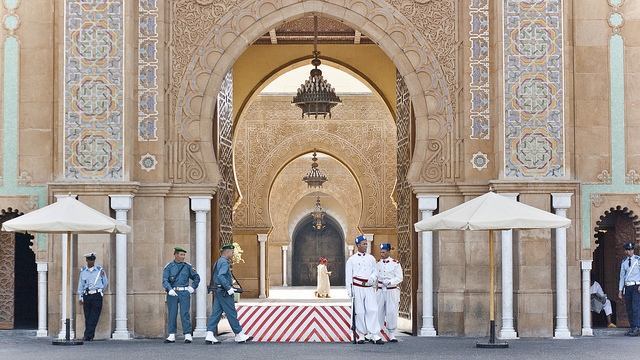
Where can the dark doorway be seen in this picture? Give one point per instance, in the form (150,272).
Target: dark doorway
(614,229)
(309,245)
(26,284)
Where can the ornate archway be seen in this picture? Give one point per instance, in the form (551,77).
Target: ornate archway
(18,309)
(616,227)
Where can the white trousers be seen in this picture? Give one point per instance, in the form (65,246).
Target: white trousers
(388,304)
(366,309)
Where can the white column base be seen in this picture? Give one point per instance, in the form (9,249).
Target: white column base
(587,332)
(63,334)
(508,334)
(121,335)
(200,333)
(42,333)
(425,332)
(562,334)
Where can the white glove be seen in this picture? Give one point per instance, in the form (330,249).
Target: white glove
(231,291)
(386,283)
(370,282)
(172,293)
(348,292)
(190,289)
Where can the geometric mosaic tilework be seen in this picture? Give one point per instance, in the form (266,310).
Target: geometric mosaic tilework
(94,79)
(147,70)
(533,89)
(479,62)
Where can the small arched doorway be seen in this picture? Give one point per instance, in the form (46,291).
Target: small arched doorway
(615,228)
(310,244)
(18,278)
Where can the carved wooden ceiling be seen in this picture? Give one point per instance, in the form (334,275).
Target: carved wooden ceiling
(300,31)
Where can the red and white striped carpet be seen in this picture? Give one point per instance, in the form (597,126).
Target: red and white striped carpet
(296,323)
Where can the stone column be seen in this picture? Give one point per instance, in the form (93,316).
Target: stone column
(561,202)
(426,205)
(585,265)
(262,239)
(201,205)
(507,331)
(369,242)
(350,249)
(42,268)
(67,293)
(284,265)
(121,204)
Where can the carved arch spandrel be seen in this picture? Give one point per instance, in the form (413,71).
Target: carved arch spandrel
(419,37)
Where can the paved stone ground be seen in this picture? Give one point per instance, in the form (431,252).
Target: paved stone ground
(24,345)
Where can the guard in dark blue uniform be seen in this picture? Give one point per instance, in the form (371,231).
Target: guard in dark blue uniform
(629,288)
(91,285)
(176,282)
(223,299)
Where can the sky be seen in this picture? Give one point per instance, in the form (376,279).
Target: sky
(341,81)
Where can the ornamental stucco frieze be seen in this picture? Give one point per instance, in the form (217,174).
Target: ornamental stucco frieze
(206,37)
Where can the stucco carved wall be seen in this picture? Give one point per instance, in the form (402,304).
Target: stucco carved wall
(207,36)
(361,134)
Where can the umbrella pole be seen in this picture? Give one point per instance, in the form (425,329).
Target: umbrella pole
(68,298)
(492,317)
(492,305)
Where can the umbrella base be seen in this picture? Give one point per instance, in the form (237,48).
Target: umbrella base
(493,345)
(67,342)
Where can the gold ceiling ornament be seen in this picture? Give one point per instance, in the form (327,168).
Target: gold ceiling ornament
(316,96)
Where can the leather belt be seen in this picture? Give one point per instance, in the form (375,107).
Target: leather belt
(631,283)
(360,282)
(180,288)
(91,292)
(359,285)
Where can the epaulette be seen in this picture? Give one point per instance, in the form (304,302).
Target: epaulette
(396,261)
(168,263)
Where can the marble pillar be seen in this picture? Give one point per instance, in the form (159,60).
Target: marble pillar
(121,204)
(284,265)
(201,205)
(42,268)
(426,205)
(262,239)
(507,331)
(561,202)
(585,266)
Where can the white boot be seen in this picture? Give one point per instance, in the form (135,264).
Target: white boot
(242,337)
(210,339)
(187,338)
(376,339)
(170,339)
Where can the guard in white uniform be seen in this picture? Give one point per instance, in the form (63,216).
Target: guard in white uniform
(388,293)
(360,279)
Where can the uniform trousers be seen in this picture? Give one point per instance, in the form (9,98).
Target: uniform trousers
(632,300)
(223,302)
(92,306)
(388,304)
(366,308)
(184,299)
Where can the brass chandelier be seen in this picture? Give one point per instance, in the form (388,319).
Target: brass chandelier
(314,179)
(316,96)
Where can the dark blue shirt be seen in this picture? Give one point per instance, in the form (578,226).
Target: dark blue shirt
(222,273)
